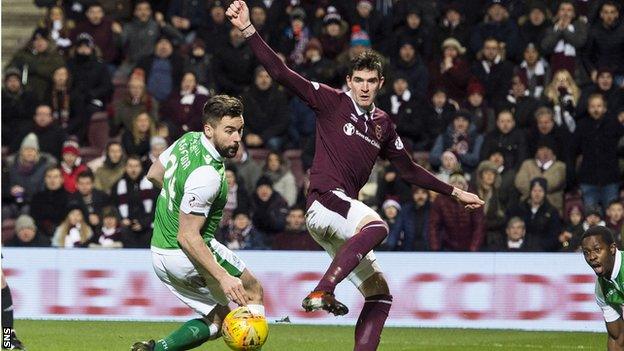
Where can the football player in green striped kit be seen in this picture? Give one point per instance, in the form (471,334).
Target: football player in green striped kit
(198,269)
(605,259)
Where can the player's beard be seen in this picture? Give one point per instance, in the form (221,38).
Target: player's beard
(227,151)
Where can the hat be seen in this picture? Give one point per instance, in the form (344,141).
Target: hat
(537,5)
(539,181)
(359,37)
(604,69)
(314,44)
(25,221)
(298,13)
(593,210)
(391,203)
(413,10)
(85,39)
(40,32)
(158,140)
(496,2)
(475,87)
(332,16)
(264,180)
(12,71)
(71,146)
(30,141)
(487,166)
(452,42)
(198,43)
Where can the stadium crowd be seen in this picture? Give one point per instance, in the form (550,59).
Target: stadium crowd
(519,101)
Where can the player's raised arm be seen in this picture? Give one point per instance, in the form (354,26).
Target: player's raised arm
(238,14)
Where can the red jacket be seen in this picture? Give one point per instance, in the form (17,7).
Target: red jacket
(453,228)
(70,177)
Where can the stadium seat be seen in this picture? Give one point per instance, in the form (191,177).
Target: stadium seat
(98,131)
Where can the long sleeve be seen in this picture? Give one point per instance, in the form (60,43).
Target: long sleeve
(478,229)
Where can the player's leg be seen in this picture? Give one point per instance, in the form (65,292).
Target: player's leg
(7,314)
(374,312)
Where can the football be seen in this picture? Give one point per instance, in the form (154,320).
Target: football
(244,331)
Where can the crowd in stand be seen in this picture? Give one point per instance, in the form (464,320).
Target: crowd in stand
(520,101)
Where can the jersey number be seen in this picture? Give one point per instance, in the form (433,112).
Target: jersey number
(170,181)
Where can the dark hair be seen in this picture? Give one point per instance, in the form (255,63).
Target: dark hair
(139,2)
(53,168)
(136,158)
(94,4)
(220,106)
(605,233)
(368,60)
(86,174)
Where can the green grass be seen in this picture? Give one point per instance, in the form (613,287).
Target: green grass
(83,336)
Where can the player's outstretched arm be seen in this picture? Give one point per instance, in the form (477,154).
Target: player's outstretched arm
(194,247)
(615,331)
(156,174)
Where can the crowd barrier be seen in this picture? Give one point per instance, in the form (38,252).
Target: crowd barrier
(463,290)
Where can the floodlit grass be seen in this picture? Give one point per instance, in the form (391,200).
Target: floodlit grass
(87,335)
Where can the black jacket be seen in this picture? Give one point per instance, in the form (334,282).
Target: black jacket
(543,227)
(49,208)
(597,141)
(267,112)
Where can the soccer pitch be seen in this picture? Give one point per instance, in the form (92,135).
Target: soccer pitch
(106,336)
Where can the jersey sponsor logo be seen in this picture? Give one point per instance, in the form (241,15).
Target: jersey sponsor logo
(368,139)
(316,85)
(348,129)
(398,143)
(193,202)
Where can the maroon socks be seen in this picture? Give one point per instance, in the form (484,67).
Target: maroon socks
(371,321)
(351,253)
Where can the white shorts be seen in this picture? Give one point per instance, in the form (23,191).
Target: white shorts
(332,219)
(178,273)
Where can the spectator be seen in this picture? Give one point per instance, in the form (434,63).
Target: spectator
(258,17)
(248,170)
(315,67)
(112,169)
(295,236)
(605,42)
(111,233)
(91,86)
(410,65)
(266,108)
(234,65)
(415,33)
(295,38)
(334,37)
(184,107)
(499,26)
(533,26)
(241,234)
(615,220)
(74,231)
(404,108)
(269,209)
(216,29)
(452,25)
(462,139)
(604,84)
(391,185)
(104,31)
(135,102)
(163,69)
(541,218)
(488,182)
(570,238)
(41,59)
(71,165)
(360,42)
(237,198)
(451,72)
(544,165)
(534,70)
(448,166)
(508,138)
(27,235)
(451,227)
(61,101)
(484,119)
(507,190)
(563,95)
(26,170)
(410,230)
(91,201)
(493,71)
(596,141)
(276,169)
(158,144)
(49,206)
(49,133)
(520,102)
(593,217)
(58,27)
(390,210)
(545,128)
(187,16)
(516,239)
(136,141)
(200,62)
(135,198)
(18,107)
(139,36)
(562,41)
(372,23)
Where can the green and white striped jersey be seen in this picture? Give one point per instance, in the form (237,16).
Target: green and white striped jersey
(610,292)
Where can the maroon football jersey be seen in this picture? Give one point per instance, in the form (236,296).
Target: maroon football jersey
(348,140)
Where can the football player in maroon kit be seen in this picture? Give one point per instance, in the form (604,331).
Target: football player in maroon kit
(350,134)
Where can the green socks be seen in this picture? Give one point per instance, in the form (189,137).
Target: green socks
(190,335)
